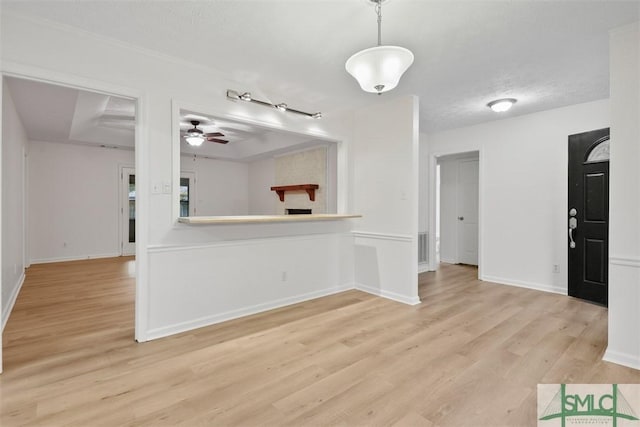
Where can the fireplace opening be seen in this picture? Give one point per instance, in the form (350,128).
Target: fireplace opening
(298,211)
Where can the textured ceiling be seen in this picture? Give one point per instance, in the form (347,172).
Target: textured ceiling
(61,114)
(53,113)
(247,142)
(545,53)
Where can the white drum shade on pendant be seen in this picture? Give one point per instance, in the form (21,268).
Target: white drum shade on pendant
(379,69)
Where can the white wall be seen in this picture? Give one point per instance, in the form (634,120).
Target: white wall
(243,278)
(523,190)
(32,47)
(262,175)
(222,187)
(624,198)
(75,187)
(74,201)
(14,146)
(386,194)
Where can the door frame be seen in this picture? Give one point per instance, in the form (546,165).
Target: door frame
(141,144)
(432,160)
(575,287)
(126,248)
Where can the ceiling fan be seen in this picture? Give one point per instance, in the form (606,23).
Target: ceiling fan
(196,137)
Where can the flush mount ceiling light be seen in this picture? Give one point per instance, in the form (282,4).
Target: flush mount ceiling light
(502,105)
(246,96)
(379,69)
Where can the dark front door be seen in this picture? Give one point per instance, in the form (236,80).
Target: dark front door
(588,215)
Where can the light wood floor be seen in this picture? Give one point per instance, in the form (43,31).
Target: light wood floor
(470,355)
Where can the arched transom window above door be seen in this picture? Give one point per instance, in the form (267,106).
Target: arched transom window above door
(599,152)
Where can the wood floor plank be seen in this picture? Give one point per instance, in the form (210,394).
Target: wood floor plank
(471,354)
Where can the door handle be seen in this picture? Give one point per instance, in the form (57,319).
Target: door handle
(460,218)
(573,224)
(572,244)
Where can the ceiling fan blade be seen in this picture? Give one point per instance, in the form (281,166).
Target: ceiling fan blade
(219,141)
(213,135)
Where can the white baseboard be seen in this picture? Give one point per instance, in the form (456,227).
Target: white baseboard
(383,236)
(523,284)
(623,359)
(423,267)
(447,261)
(74,258)
(388,295)
(177,328)
(12,300)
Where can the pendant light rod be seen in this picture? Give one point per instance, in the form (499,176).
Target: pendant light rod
(379,13)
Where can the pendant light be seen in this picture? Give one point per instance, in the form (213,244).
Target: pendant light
(378,69)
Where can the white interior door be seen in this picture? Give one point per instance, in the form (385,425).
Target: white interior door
(467,224)
(128,211)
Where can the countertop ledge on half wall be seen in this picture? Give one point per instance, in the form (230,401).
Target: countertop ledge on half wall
(249,219)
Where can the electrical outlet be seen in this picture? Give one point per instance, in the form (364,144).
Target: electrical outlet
(556,268)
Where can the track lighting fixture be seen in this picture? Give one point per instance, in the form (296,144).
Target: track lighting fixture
(246,96)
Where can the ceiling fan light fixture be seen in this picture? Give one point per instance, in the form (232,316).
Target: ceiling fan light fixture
(317,115)
(195,141)
(281,107)
(502,105)
(246,96)
(379,69)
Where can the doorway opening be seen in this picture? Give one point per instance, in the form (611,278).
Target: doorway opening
(231,172)
(457,209)
(75,144)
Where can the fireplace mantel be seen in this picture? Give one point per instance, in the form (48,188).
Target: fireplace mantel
(309,188)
